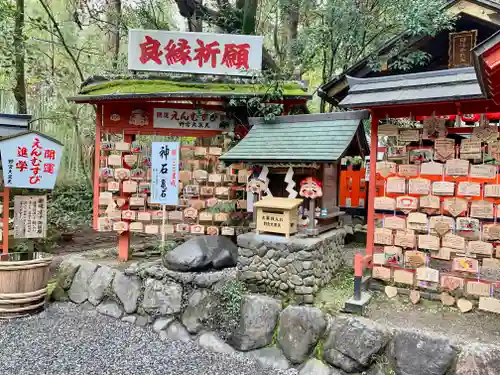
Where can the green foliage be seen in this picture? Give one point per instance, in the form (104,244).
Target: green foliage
(229,295)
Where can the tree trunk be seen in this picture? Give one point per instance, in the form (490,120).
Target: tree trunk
(292,24)
(195,23)
(20,88)
(249,15)
(114,16)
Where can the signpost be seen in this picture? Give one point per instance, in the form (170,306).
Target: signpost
(30,216)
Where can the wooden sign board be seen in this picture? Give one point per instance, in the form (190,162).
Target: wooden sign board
(385,168)
(430,203)
(460,47)
(409,135)
(432,169)
(396,185)
(406,203)
(443,253)
(483,171)
(444,149)
(404,277)
(455,206)
(378,258)
(426,241)
(476,288)
(408,170)
(394,222)
(405,239)
(435,220)
(417,221)
(489,304)
(383,236)
(469,189)
(388,130)
(463,264)
(30,216)
(481,209)
(453,242)
(457,167)
(393,255)
(419,186)
(381,273)
(443,188)
(467,224)
(470,149)
(414,259)
(480,247)
(492,190)
(491,264)
(385,203)
(451,283)
(428,274)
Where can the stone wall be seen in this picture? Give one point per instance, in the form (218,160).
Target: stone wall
(178,305)
(299,266)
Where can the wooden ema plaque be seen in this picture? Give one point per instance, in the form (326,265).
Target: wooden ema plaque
(489,304)
(427,274)
(457,167)
(431,169)
(451,283)
(469,189)
(491,231)
(435,220)
(490,264)
(467,224)
(406,203)
(494,149)
(470,149)
(476,288)
(453,242)
(385,168)
(443,188)
(414,259)
(427,241)
(480,247)
(419,186)
(430,204)
(408,135)
(381,273)
(396,185)
(417,221)
(481,209)
(383,236)
(464,264)
(405,239)
(444,149)
(404,277)
(394,222)
(379,258)
(408,170)
(388,130)
(393,255)
(483,171)
(385,203)
(444,253)
(455,206)
(492,190)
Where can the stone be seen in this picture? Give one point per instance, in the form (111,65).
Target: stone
(66,272)
(295,279)
(207,279)
(156,271)
(315,367)
(244,261)
(258,276)
(59,294)
(129,319)
(282,262)
(261,251)
(132,270)
(199,307)
(359,339)
(304,290)
(258,319)
(337,359)
(202,252)
(270,253)
(162,323)
(127,290)
(110,308)
(141,321)
(270,357)
(175,331)
(447,299)
(478,359)
(262,267)
(283,286)
(100,283)
(299,331)
(212,342)
(253,268)
(307,265)
(464,305)
(284,277)
(245,252)
(280,270)
(180,277)
(79,290)
(298,266)
(162,298)
(309,281)
(309,298)
(415,353)
(304,255)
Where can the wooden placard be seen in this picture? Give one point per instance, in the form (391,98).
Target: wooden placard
(457,167)
(432,169)
(409,135)
(151,229)
(434,127)
(122,174)
(470,149)
(120,226)
(455,206)
(490,264)
(396,185)
(396,152)
(394,222)
(480,247)
(378,258)
(414,259)
(467,224)
(388,130)
(404,277)
(494,149)
(427,274)
(406,203)
(453,242)
(113,186)
(122,146)
(492,190)
(213,231)
(393,255)
(115,160)
(443,188)
(443,253)
(383,236)
(104,224)
(385,168)
(405,239)
(491,232)
(469,189)
(427,241)
(408,170)
(216,178)
(477,288)
(444,149)
(489,304)
(419,186)
(460,47)
(381,273)
(385,203)
(464,264)
(481,209)
(484,171)
(137,227)
(451,283)
(417,221)
(129,186)
(430,202)
(439,220)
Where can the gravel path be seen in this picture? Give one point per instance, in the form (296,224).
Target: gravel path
(68,340)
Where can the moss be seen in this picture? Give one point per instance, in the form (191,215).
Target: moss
(319,350)
(155,86)
(275,335)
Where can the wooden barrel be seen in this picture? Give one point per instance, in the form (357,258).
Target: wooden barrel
(23,283)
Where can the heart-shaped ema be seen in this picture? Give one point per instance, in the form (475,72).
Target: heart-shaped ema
(455,206)
(130,160)
(391,291)
(414,296)
(442,228)
(120,202)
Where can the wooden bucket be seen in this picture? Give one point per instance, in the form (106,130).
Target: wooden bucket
(23,283)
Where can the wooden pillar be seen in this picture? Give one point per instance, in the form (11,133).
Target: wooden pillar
(124,238)
(97,166)
(312,215)
(5,234)
(373,186)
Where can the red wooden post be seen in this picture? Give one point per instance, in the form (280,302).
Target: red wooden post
(124,238)
(5,239)
(97,165)
(373,185)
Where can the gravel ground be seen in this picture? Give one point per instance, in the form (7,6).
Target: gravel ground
(68,340)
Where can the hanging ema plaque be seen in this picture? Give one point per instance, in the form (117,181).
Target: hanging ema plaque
(406,203)
(419,186)
(483,171)
(443,188)
(396,185)
(444,149)
(470,149)
(457,167)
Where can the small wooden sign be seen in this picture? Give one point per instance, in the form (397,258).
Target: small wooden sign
(408,170)
(469,189)
(460,47)
(426,241)
(385,203)
(467,224)
(396,185)
(409,135)
(464,305)
(447,300)
(492,190)
(388,130)
(393,255)
(444,149)
(464,264)
(481,209)
(419,186)
(470,149)
(404,277)
(451,283)
(430,203)
(490,264)
(115,160)
(476,288)
(406,203)
(480,247)
(443,253)
(427,274)
(378,258)
(385,168)
(432,169)
(441,224)
(457,167)
(443,188)
(484,171)
(417,221)
(381,273)
(394,222)
(494,149)
(414,259)
(391,291)
(405,239)
(414,296)
(489,304)
(455,206)
(383,236)
(491,231)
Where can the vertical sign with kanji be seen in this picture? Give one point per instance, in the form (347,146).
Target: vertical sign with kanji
(30,160)
(165,173)
(202,53)
(30,216)
(460,48)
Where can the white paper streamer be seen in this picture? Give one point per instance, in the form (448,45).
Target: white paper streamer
(292,193)
(263,177)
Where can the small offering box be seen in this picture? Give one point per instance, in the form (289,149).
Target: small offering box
(277,215)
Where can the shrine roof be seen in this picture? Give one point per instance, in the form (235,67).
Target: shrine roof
(437,86)
(302,138)
(126,88)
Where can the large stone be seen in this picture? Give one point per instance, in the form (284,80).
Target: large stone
(201,253)
(110,308)
(271,358)
(299,330)
(258,319)
(200,305)
(164,298)
(66,272)
(415,353)
(127,290)
(358,339)
(162,323)
(100,283)
(479,359)
(79,290)
(175,331)
(315,367)
(212,342)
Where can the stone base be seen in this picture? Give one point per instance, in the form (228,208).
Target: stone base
(357,306)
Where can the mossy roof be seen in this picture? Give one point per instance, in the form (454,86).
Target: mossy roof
(102,89)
